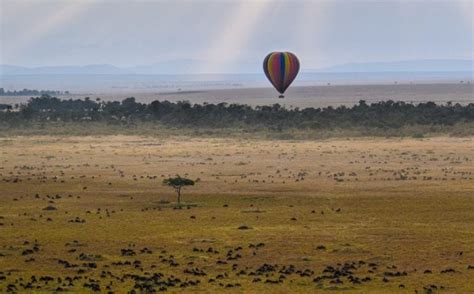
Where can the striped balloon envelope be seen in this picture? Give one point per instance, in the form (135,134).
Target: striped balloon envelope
(281,69)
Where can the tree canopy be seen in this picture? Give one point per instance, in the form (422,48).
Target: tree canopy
(178,181)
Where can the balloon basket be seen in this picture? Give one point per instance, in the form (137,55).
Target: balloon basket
(281,96)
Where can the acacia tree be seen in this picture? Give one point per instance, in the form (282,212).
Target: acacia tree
(177,183)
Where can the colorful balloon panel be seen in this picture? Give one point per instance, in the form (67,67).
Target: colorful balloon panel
(281,69)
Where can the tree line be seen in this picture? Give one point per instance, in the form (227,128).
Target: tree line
(383,114)
(28,92)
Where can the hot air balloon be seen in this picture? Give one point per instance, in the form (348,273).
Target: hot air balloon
(281,69)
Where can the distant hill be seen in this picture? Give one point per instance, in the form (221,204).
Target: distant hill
(193,66)
(429,65)
(177,66)
(87,69)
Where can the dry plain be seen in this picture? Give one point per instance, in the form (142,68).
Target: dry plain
(295,96)
(363,215)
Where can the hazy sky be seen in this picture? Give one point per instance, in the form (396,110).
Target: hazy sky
(321,33)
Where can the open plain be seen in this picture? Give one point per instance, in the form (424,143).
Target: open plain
(356,215)
(297,96)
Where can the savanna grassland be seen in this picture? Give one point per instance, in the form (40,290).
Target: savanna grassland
(365,215)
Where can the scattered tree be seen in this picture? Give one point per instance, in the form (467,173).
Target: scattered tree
(177,183)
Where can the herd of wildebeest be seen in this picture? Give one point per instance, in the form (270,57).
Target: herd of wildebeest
(44,191)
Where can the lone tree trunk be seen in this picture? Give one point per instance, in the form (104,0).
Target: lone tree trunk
(178,191)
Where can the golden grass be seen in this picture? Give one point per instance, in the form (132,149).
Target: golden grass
(404,204)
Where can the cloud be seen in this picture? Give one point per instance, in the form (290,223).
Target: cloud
(228,45)
(231,34)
